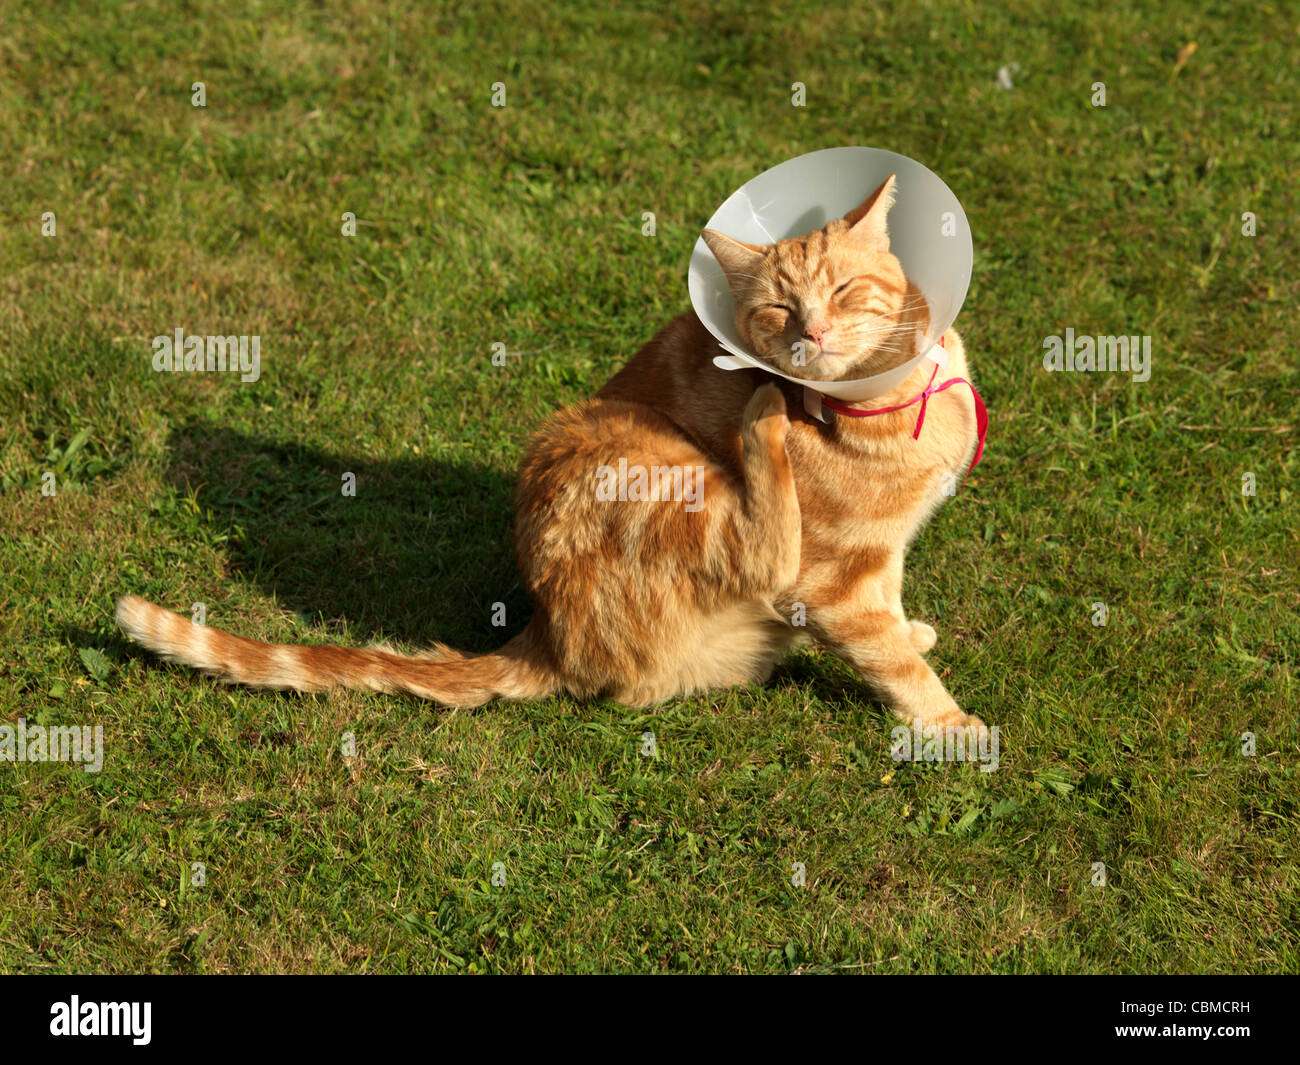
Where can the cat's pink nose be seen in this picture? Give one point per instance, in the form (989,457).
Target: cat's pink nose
(815,333)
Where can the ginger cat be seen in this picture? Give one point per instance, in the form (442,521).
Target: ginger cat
(669,529)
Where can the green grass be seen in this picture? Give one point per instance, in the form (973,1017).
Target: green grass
(522,225)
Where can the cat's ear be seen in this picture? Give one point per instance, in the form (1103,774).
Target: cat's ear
(867,220)
(738,259)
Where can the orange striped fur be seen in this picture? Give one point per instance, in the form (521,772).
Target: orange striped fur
(643,599)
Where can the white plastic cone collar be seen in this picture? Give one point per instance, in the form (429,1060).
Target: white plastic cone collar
(928,232)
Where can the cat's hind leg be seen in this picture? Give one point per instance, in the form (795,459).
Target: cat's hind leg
(772,532)
(735,645)
(731,633)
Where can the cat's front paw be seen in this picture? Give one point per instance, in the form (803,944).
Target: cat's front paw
(950,717)
(921,636)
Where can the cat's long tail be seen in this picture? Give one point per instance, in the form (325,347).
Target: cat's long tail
(517,671)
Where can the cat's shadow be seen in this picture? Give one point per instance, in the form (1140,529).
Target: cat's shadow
(409,549)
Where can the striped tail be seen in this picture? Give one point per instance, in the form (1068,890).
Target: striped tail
(517,671)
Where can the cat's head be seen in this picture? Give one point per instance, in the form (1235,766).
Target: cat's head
(833,305)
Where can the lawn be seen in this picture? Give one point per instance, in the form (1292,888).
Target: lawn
(232,831)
